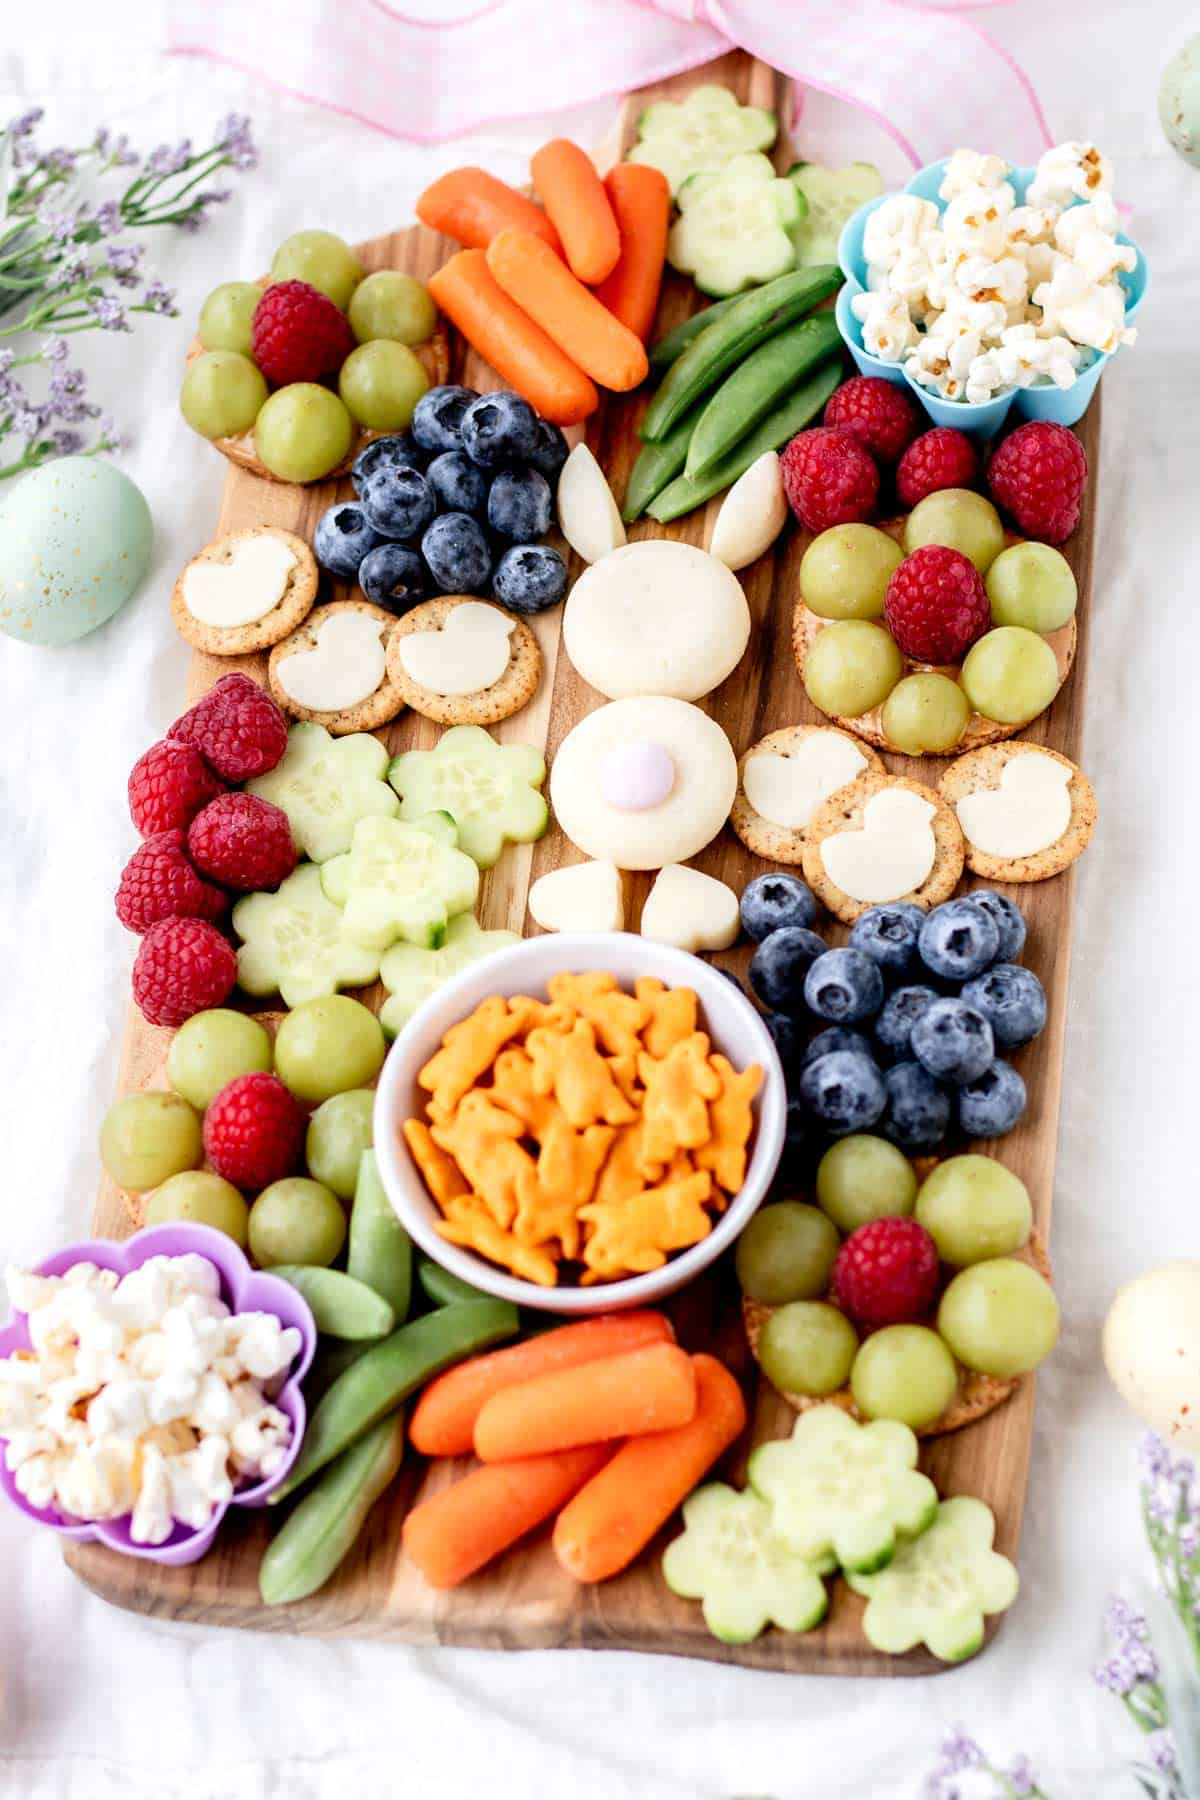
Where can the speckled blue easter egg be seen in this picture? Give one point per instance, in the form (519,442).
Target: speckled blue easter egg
(1179,102)
(75,540)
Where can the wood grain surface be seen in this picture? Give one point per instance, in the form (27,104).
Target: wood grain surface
(526,1601)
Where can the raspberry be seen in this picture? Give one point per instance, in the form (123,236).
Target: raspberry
(236,727)
(883,417)
(1038,475)
(886,1273)
(158,882)
(184,966)
(829,479)
(242,841)
(168,786)
(254,1131)
(938,459)
(936,605)
(298,334)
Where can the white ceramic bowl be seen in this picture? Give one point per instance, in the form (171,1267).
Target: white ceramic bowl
(733,1024)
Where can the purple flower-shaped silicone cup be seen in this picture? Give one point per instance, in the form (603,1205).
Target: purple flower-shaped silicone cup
(243,1290)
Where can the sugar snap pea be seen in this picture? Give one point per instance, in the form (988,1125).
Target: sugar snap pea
(380,1250)
(443,1288)
(389,1372)
(657,464)
(724,343)
(341,1306)
(673,345)
(333,1358)
(322,1530)
(756,387)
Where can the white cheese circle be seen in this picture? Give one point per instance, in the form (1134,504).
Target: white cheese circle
(243,588)
(656,617)
(344,667)
(1027,813)
(467,654)
(787,790)
(891,855)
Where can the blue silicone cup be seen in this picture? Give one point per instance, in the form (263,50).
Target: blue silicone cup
(1062,406)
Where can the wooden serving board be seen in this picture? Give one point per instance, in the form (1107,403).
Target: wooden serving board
(526,1601)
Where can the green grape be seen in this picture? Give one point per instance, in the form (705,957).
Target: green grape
(974,1208)
(296,1221)
(326,1046)
(200,1198)
(852,665)
(147,1137)
(303,432)
(999,1317)
(904,1372)
(861,1178)
(960,519)
(322,259)
(807,1347)
(211,1050)
(786,1253)
(1010,675)
(380,383)
(227,316)
(390,305)
(925,714)
(845,571)
(222,394)
(338,1133)
(1032,585)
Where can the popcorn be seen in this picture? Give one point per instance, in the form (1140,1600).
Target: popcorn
(985,377)
(1030,225)
(984,319)
(971,169)
(976,221)
(887,326)
(1087,234)
(943,363)
(1006,279)
(263,1346)
(1088,312)
(1070,171)
(899,224)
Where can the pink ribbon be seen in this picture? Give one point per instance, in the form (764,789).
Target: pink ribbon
(930,77)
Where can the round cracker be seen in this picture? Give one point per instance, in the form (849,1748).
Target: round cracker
(982,769)
(781,843)
(291,609)
(515,688)
(369,714)
(843,811)
(977,1394)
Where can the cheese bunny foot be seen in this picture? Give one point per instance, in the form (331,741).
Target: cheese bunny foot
(588,896)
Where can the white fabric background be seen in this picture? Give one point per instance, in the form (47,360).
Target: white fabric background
(96,1703)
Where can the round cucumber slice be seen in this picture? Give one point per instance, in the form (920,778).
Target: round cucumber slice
(701,132)
(411,975)
(398,882)
(325,785)
(938,1588)
(734,226)
(733,1560)
(295,943)
(490,790)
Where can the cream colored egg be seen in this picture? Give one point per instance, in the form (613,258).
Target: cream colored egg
(1152,1350)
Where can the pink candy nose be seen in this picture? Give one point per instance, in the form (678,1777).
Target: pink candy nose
(637,775)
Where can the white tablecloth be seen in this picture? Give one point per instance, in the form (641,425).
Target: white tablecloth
(97,1703)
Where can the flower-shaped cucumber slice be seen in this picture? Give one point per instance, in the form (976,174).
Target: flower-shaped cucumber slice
(294,942)
(939,1587)
(411,975)
(733,1560)
(399,881)
(702,131)
(325,785)
(845,1488)
(490,790)
(734,226)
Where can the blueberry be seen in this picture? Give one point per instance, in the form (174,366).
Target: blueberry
(393,576)
(438,416)
(917,1116)
(898,1015)
(519,506)
(844,1091)
(785,1034)
(457,554)
(499,429)
(550,452)
(953,1041)
(1012,1000)
(779,965)
(993,1103)
(343,536)
(400,451)
(959,940)
(844,986)
(1010,921)
(838,1037)
(530,577)
(458,486)
(888,934)
(398,502)
(799,1138)
(770,902)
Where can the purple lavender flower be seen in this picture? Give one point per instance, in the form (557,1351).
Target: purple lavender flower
(123,263)
(107,218)
(960,1752)
(67,443)
(157,297)
(59,161)
(169,159)
(25,123)
(1162,1753)
(60,224)
(1021,1776)
(233,137)
(197,212)
(54,349)
(108,313)
(29,421)
(7,358)
(68,396)
(72,271)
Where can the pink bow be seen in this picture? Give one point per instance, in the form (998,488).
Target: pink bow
(931,77)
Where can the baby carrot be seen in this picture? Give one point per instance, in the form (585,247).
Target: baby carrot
(614,1517)
(648,1389)
(641,201)
(566,183)
(444,1422)
(518,350)
(459,1530)
(472,206)
(538,280)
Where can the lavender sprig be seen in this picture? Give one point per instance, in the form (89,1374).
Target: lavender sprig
(960,1753)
